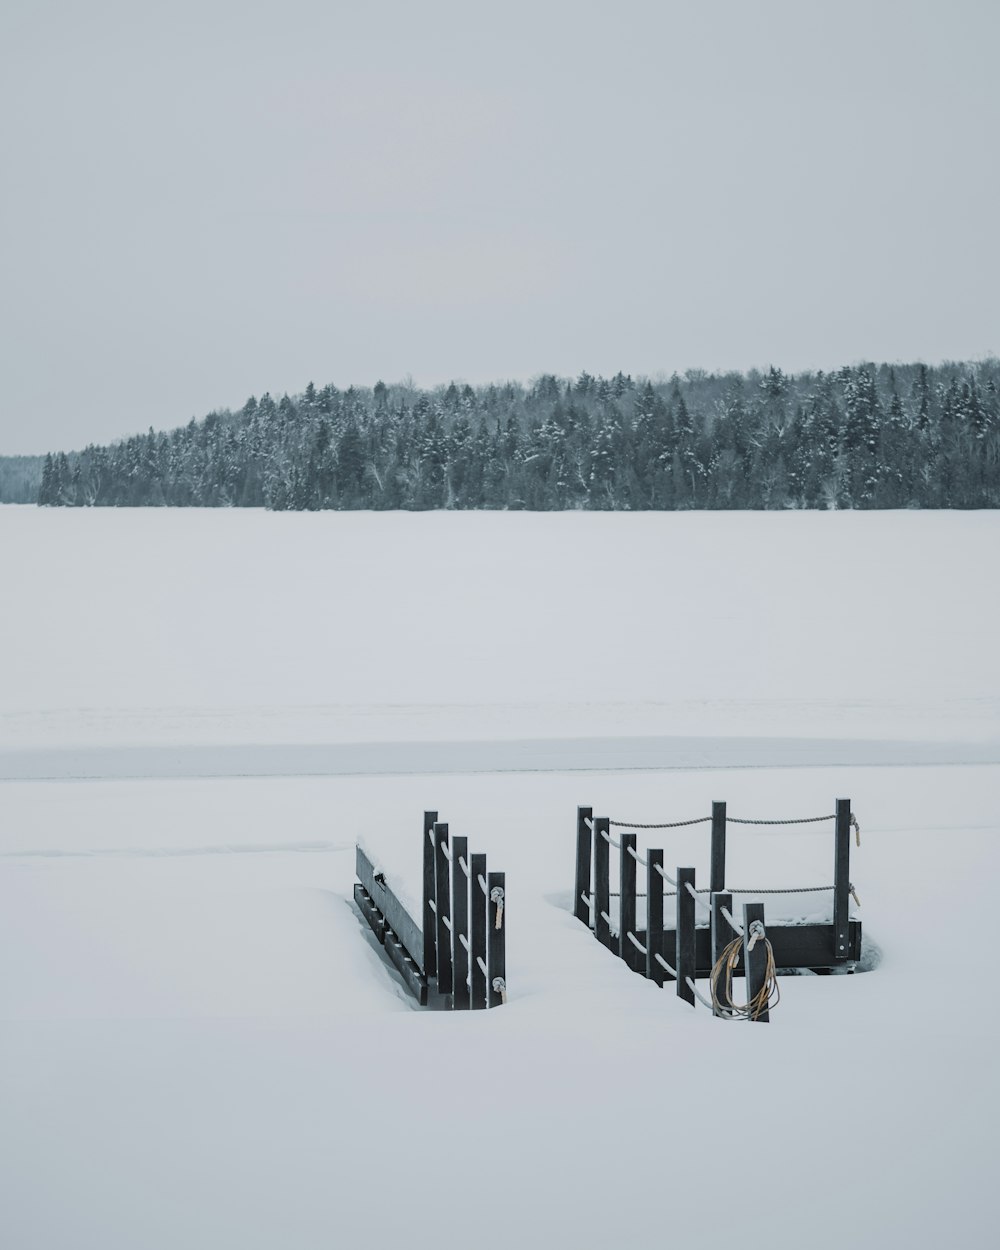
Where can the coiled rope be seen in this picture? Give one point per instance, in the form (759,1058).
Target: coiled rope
(768,996)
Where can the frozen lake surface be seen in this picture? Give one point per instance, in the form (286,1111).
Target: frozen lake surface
(202,711)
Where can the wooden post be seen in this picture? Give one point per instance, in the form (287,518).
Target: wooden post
(414,979)
(430,924)
(718,874)
(722,930)
(842,882)
(460,920)
(496,963)
(480,918)
(443,903)
(602,881)
(634,959)
(654,918)
(685,963)
(584,841)
(754,961)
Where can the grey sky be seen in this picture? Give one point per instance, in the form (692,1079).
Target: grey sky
(204,201)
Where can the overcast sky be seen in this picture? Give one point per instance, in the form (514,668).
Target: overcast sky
(206,201)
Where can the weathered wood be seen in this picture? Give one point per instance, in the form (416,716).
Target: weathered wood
(842,882)
(496,962)
(414,979)
(721,930)
(370,912)
(654,918)
(479,909)
(794,945)
(442,891)
(460,920)
(754,961)
(718,873)
(633,957)
(430,890)
(686,961)
(602,881)
(584,841)
(396,915)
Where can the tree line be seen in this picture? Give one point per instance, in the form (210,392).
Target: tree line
(865,436)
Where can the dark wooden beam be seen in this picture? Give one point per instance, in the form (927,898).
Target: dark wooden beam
(842,882)
(413,978)
(717,879)
(584,842)
(602,881)
(635,958)
(721,932)
(496,961)
(370,912)
(460,920)
(755,956)
(479,907)
(442,891)
(804,946)
(397,917)
(654,918)
(686,964)
(430,890)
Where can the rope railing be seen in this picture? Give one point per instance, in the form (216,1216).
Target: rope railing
(798,820)
(699,995)
(733,924)
(669,880)
(671,824)
(610,840)
(732,820)
(694,894)
(663,964)
(636,943)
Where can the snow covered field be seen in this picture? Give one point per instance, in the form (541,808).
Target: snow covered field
(201,711)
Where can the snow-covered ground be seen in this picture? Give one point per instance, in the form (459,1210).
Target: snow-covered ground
(199,1042)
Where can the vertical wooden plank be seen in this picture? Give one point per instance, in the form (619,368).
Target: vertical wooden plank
(430,889)
(479,907)
(718,874)
(460,920)
(755,961)
(654,918)
(496,963)
(685,964)
(584,841)
(602,881)
(443,903)
(634,959)
(842,881)
(722,931)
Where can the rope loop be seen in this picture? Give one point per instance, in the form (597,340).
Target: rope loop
(496,896)
(721,980)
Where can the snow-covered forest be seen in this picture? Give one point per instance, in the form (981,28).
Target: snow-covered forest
(868,436)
